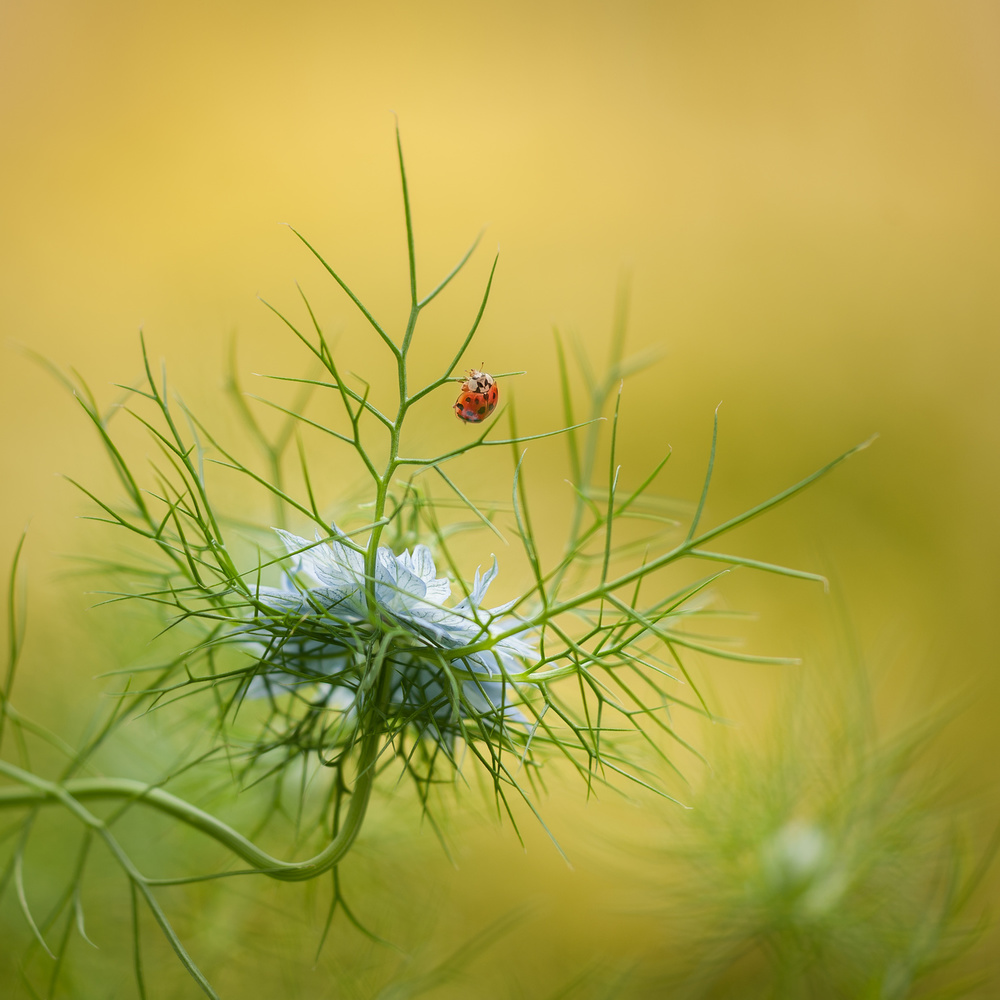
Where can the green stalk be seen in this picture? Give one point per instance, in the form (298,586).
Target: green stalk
(39,791)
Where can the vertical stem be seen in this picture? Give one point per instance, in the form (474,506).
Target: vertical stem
(384,481)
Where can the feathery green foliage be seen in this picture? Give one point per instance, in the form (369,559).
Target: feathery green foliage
(827,863)
(316,664)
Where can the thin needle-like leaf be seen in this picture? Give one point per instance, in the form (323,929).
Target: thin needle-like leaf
(410,253)
(764,566)
(15,633)
(468,503)
(387,340)
(708,477)
(451,274)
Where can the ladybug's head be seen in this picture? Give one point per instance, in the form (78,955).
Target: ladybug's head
(478,381)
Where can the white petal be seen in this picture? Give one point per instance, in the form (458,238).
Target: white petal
(293,544)
(517,647)
(286,599)
(501,609)
(479,587)
(420,562)
(335,564)
(325,560)
(395,586)
(438,591)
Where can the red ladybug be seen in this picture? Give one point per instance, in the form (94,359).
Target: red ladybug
(479,397)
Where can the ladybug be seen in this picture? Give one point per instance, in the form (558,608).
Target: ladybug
(478,398)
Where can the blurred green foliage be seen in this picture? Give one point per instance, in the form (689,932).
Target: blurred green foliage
(807,195)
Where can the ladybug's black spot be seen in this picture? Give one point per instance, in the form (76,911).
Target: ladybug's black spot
(481,410)
(468,401)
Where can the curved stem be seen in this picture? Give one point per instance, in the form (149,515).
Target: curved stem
(39,791)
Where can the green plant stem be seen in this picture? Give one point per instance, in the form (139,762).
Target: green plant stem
(606,590)
(39,791)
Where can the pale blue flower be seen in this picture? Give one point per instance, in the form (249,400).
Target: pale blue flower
(316,648)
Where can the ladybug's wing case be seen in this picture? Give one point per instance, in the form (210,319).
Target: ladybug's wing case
(471,407)
(478,398)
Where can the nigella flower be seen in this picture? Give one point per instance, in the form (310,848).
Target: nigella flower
(320,633)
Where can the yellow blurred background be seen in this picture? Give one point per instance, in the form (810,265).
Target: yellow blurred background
(804,195)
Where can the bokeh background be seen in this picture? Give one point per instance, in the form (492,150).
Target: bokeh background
(804,199)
